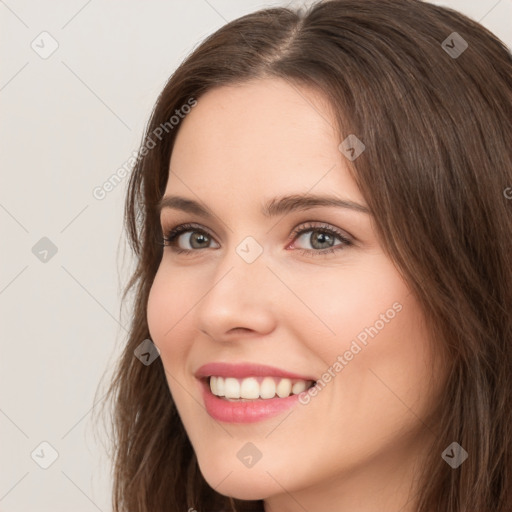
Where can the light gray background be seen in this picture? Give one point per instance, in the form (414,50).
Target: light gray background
(68,123)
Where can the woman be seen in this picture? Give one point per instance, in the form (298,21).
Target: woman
(320,217)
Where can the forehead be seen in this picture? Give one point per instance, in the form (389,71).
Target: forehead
(263,137)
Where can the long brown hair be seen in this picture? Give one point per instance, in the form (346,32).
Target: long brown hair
(435,116)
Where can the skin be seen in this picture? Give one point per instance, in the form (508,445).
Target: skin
(356,445)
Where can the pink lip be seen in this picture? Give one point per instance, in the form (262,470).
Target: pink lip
(243,370)
(244,411)
(250,411)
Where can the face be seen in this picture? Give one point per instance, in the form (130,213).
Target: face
(288,296)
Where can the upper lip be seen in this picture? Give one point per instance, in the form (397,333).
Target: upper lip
(242,370)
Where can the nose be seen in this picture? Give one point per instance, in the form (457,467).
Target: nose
(239,299)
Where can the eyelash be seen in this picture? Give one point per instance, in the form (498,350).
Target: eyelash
(170,238)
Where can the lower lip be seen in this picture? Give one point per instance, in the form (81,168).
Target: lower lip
(244,412)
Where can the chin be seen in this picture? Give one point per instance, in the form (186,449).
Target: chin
(240,483)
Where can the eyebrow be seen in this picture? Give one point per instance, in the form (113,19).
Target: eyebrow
(272,208)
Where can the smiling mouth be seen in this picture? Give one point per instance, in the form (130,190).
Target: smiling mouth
(234,389)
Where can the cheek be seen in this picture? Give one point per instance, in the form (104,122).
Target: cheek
(368,318)
(167,315)
(158,307)
(389,378)
(357,302)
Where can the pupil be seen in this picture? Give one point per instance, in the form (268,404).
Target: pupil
(198,238)
(322,238)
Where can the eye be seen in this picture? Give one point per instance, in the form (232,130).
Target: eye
(199,240)
(321,239)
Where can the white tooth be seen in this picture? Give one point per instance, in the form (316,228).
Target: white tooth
(231,388)
(213,385)
(250,388)
(284,388)
(267,388)
(298,387)
(220,386)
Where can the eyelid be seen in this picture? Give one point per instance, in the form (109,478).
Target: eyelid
(171,235)
(312,226)
(188,226)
